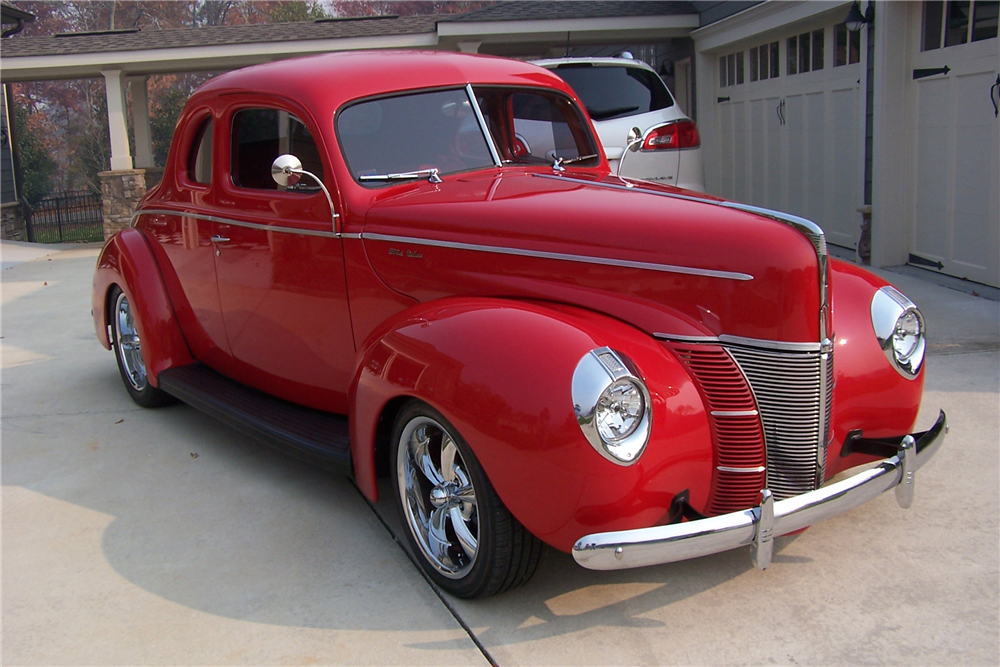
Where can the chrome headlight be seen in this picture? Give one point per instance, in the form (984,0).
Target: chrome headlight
(612,406)
(899,327)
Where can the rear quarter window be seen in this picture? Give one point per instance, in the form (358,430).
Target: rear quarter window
(615,92)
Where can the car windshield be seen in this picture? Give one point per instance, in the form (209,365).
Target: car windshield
(425,135)
(412,134)
(616,91)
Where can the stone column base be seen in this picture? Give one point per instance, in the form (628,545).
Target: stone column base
(121,192)
(13,227)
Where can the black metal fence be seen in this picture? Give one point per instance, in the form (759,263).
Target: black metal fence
(68,216)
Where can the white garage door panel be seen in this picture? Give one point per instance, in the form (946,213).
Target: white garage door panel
(844,139)
(933,138)
(798,155)
(738,188)
(974,150)
(957,172)
(795,143)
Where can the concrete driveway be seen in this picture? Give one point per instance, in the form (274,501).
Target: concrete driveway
(150,537)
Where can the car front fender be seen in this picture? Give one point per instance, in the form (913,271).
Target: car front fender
(501,371)
(869,394)
(127,261)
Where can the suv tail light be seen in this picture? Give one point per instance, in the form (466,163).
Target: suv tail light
(673,136)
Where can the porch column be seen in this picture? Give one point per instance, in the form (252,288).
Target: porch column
(140,120)
(121,158)
(469,47)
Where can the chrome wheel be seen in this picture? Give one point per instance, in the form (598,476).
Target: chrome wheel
(128,345)
(438,497)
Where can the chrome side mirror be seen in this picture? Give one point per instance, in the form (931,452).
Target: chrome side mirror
(286,170)
(633,142)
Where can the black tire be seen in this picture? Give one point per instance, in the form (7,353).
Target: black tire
(128,353)
(505,556)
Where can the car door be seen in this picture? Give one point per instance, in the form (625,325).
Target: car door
(185,240)
(279,264)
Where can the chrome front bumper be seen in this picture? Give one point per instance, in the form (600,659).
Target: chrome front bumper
(757,527)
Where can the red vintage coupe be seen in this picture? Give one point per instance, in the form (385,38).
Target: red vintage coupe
(420,265)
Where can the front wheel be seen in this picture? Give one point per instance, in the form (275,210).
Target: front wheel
(128,352)
(464,538)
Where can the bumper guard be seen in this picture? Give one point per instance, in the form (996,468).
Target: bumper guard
(757,527)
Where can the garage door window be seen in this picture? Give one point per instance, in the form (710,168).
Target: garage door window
(847,46)
(764,62)
(805,52)
(955,23)
(731,69)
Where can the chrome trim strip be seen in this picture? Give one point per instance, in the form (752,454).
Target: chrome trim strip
(770,344)
(585,259)
(747,471)
(700,340)
(482,124)
(741,341)
(735,413)
(691,539)
(241,223)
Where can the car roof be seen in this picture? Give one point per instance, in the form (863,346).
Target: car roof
(329,80)
(550,63)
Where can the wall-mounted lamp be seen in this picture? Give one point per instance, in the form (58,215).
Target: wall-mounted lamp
(856,20)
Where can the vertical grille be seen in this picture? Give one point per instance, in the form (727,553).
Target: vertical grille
(793,392)
(736,428)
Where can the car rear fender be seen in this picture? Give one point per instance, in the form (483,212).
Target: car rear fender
(501,372)
(127,261)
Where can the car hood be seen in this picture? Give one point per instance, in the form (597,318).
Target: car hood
(667,260)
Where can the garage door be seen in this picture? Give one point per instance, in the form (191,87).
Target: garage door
(791,127)
(956,224)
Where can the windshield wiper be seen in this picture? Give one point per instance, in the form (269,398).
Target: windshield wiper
(558,162)
(430,174)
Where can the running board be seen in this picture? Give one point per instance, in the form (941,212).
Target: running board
(312,435)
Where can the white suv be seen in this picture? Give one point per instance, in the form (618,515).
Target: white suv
(623,94)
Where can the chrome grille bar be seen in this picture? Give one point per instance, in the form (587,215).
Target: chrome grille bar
(793,391)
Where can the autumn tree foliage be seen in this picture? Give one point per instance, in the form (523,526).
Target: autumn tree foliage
(66,122)
(74,112)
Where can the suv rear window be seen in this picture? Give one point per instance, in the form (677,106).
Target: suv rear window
(615,92)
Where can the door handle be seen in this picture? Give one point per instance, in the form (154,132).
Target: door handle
(220,239)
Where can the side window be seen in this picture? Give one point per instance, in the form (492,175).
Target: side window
(200,156)
(261,135)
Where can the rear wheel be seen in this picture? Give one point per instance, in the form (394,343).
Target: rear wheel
(128,353)
(464,538)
